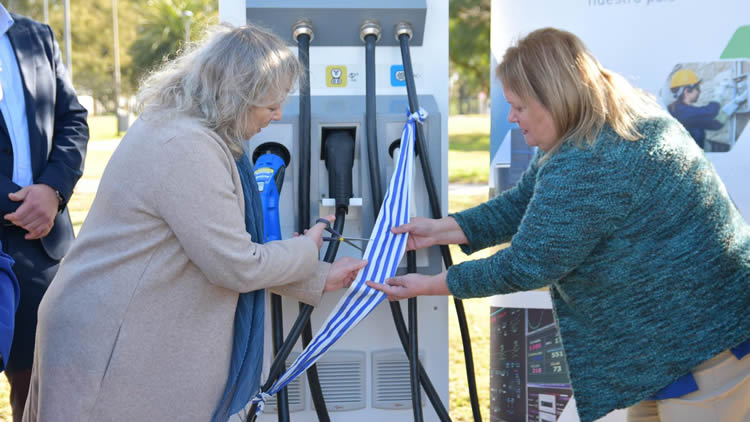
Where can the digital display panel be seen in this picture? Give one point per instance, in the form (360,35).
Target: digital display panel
(529,379)
(508,365)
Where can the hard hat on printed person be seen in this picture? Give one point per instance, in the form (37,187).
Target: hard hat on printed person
(684,77)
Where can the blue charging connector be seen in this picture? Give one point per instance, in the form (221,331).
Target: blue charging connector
(269,173)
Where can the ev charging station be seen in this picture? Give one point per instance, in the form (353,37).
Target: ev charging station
(366,375)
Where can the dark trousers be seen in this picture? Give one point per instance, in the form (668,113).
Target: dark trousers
(35,270)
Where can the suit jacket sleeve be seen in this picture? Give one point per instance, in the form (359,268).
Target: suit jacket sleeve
(7,186)
(70,131)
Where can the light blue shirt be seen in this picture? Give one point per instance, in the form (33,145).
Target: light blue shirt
(13,105)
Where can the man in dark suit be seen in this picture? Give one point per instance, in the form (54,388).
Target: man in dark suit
(43,136)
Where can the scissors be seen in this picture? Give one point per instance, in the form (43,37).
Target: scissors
(337,236)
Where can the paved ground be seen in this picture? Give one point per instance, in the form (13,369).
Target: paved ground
(468,189)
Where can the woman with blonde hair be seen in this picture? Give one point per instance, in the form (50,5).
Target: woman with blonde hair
(157,311)
(623,218)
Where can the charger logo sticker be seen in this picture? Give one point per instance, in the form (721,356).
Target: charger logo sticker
(336,76)
(397,75)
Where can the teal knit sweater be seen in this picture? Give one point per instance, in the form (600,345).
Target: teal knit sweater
(645,255)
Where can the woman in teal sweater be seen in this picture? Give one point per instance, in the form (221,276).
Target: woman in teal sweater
(626,222)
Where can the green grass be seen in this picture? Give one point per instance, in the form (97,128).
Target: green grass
(103,127)
(469,133)
(468,163)
(468,124)
(103,138)
(97,158)
(469,149)
(6,415)
(478,320)
(468,167)
(470,142)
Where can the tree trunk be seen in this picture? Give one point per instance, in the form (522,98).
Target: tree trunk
(461,99)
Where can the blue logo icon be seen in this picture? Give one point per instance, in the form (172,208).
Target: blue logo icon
(397,75)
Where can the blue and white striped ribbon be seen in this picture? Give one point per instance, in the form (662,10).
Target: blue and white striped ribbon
(384,252)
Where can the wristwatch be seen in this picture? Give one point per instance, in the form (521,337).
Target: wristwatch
(59,200)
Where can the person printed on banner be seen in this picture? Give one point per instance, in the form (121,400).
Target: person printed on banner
(157,312)
(686,88)
(624,219)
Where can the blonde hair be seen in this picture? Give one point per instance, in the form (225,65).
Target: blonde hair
(556,69)
(219,80)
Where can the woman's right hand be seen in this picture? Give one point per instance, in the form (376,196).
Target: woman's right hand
(426,232)
(422,232)
(316,232)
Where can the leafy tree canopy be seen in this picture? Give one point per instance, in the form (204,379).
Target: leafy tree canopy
(149,32)
(470,43)
(162,30)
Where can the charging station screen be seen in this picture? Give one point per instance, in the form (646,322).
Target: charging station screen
(529,379)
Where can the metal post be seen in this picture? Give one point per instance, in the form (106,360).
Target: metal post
(117,65)
(68,47)
(188,17)
(46,12)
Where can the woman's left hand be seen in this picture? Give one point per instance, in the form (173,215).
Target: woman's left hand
(412,285)
(343,271)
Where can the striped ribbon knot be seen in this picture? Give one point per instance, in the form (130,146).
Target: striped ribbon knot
(262,397)
(384,252)
(419,115)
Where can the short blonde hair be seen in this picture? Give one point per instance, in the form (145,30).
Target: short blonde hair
(556,69)
(220,79)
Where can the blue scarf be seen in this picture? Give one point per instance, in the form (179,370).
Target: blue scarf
(243,380)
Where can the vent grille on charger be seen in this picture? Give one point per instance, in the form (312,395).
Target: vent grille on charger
(391,384)
(342,379)
(295,390)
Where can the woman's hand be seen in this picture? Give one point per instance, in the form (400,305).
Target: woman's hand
(413,285)
(316,232)
(426,232)
(343,271)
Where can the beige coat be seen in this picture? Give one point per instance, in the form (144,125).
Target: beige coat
(137,324)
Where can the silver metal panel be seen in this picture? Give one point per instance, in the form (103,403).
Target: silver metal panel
(337,22)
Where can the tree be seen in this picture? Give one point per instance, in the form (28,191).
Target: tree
(93,50)
(469,50)
(157,27)
(161,31)
(29,8)
(91,39)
